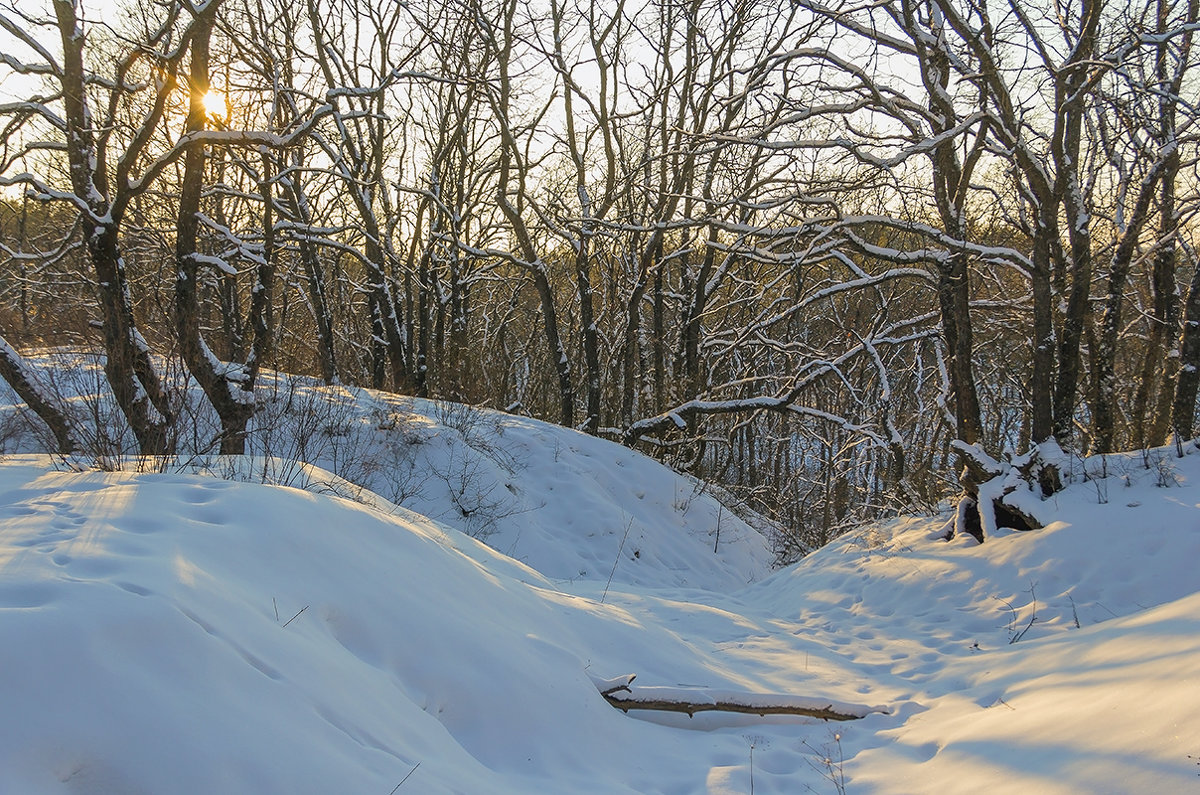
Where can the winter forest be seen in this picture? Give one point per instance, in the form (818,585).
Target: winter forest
(841,259)
(594,397)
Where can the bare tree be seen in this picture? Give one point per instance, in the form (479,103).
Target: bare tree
(360,55)
(1187,384)
(497,28)
(228,387)
(109,161)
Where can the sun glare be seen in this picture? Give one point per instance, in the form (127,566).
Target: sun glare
(215,104)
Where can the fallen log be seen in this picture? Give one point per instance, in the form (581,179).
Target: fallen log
(622,694)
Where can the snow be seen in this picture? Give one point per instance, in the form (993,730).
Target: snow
(213,262)
(184,627)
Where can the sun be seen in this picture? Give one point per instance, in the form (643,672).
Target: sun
(215,104)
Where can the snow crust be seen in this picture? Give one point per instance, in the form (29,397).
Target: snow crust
(191,631)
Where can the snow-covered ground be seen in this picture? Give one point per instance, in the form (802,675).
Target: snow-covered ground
(195,630)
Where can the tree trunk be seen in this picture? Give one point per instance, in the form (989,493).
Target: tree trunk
(377,279)
(1183,407)
(426,307)
(226,385)
(48,407)
(696,307)
(1105,369)
(1152,403)
(314,275)
(631,351)
(954,299)
(560,363)
(1067,384)
(128,367)
(1110,327)
(1042,380)
(591,335)
(262,295)
(378,345)
(1165,290)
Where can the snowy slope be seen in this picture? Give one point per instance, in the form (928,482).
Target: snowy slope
(572,506)
(524,486)
(143,653)
(189,633)
(1061,660)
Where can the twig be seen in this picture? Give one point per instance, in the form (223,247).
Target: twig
(616,560)
(401,784)
(1032,617)
(751,768)
(638,701)
(720,509)
(293,618)
(833,772)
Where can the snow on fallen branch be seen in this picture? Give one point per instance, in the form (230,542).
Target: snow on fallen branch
(622,694)
(679,417)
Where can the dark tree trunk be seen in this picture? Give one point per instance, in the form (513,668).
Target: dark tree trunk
(692,327)
(392,337)
(660,340)
(128,367)
(1110,326)
(1167,306)
(1183,408)
(226,385)
(378,346)
(426,305)
(1105,369)
(591,335)
(558,354)
(631,349)
(954,300)
(1152,403)
(1042,379)
(1067,384)
(45,405)
(262,297)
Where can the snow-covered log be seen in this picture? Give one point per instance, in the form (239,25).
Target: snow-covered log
(1006,493)
(622,694)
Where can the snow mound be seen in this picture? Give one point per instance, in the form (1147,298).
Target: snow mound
(176,633)
(571,506)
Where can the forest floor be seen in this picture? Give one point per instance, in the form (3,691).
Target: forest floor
(256,625)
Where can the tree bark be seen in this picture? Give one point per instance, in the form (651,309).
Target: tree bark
(48,407)
(225,384)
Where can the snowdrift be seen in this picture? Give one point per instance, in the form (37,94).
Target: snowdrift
(175,633)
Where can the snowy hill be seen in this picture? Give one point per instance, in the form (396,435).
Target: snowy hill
(572,506)
(189,633)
